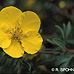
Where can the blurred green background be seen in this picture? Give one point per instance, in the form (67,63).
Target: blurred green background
(51,13)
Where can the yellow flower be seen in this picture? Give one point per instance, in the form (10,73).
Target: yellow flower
(19,32)
(62,4)
(29,3)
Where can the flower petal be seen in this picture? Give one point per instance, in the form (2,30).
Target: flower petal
(30,21)
(9,16)
(4,40)
(14,50)
(32,42)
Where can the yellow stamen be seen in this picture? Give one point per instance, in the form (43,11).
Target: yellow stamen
(16,33)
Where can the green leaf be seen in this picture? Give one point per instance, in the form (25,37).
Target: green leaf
(10,66)
(25,64)
(66,61)
(1,54)
(29,66)
(59,43)
(3,59)
(63,60)
(70,41)
(68,30)
(72,72)
(64,27)
(45,59)
(17,68)
(62,32)
(8,61)
(40,31)
(50,41)
(14,63)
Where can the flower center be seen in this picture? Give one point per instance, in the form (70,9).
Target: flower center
(16,34)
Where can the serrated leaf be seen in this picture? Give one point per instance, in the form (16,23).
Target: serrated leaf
(61,30)
(59,43)
(68,30)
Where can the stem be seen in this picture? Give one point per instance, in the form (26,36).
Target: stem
(50,52)
(72,51)
(46,52)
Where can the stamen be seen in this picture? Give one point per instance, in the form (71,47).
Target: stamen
(11,31)
(16,34)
